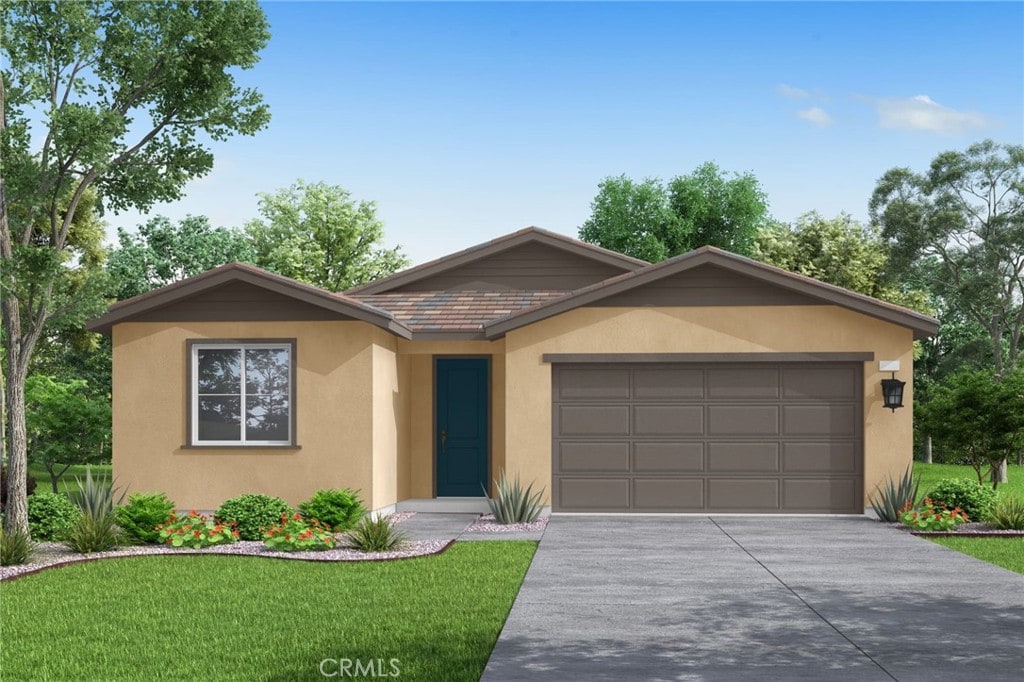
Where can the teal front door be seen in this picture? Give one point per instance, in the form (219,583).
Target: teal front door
(461,434)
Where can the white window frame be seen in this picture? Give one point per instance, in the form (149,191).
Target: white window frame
(194,349)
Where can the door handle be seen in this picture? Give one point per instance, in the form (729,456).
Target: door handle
(444,441)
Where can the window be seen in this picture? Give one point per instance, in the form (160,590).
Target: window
(241,393)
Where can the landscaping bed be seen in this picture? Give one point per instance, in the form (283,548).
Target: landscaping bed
(970,530)
(487,524)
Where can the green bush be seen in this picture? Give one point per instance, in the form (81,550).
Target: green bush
(50,516)
(375,535)
(338,509)
(1008,514)
(251,514)
(295,534)
(195,531)
(143,513)
(974,499)
(933,516)
(15,548)
(94,533)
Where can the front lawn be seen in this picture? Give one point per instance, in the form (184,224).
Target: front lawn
(238,618)
(1005,552)
(933,473)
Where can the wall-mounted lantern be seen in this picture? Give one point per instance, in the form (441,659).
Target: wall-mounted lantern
(892,389)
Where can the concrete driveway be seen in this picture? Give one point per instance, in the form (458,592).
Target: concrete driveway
(733,598)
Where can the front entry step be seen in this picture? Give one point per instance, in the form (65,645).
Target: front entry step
(452,505)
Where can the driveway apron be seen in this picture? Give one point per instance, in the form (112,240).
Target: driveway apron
(735,597)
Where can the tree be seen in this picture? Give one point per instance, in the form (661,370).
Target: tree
(652,221)
(980,416)
(963,221)
(66,425)
(316,233)
(161,253)
(126,97)
(839,251)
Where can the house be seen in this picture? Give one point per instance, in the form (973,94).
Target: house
(707,382)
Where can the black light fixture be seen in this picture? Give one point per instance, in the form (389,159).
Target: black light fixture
(892,392)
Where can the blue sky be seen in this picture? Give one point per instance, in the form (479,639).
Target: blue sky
(465,121)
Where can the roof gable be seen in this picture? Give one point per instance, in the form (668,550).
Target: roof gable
(528,260)
(666,284)
(239,292)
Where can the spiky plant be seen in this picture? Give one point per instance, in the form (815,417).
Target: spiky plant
(375,535)
(514,504)
(890,500)
(15,548)
(1008,514)
(96,497)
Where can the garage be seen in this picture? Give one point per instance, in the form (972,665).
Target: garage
(779,436)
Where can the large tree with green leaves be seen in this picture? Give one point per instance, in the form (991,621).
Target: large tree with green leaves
(162,252)
(318,234)
(123,98)
(655,221)
(961,224)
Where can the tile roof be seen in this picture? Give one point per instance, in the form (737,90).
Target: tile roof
(454,311)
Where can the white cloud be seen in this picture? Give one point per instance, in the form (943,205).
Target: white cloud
(921,112)
(815,115)
(789,92)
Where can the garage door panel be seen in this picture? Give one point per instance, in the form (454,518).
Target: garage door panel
(820,382)
(820,420)
(668,457)
(585,420)
(820,457)
(743,457)
(664,494)
(578,384)
(830,494)
(668,420)
(594,456)
(583,494)
(742,494)
(743,420)
(668,383)
(743,383)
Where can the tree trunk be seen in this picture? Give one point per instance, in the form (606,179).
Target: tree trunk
(999,473)
(16,506)
(928,449)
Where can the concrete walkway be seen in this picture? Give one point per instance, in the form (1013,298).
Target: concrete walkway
(733,598)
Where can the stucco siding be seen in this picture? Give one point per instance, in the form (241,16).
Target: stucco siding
(706,329)
(334,429)
(387,422)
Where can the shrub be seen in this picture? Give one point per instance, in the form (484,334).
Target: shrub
(889,501)
(974,499)
(513,504)
(933,516)
(143,513)
(94,533)
(30,485)
(196,531)
(50,516)
(294,534)
(15,548)
(251,514)
(96,497)
(1007,514)
(337,509)
(375,535)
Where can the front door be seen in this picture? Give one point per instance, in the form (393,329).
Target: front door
(461,436)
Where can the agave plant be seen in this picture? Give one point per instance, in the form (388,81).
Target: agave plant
(375,534)
(514,504)
(96,497)
(889,501)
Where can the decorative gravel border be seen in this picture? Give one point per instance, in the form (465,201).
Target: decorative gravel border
(964,530)
(487,524)
(53,555)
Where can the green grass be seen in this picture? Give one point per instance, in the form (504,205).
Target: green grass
(1005,552)
(933,473)
(67,481)
(239,618)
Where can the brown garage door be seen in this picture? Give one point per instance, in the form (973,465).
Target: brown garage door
(758,437)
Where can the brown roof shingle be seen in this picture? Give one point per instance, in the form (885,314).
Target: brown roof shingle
(454,311)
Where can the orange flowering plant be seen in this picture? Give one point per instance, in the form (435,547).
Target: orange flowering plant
(295,534)
(195,531)
(932,517)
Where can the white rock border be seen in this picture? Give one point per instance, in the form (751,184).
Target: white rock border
(487,524)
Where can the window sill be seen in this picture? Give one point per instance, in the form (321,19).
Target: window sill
(241,447)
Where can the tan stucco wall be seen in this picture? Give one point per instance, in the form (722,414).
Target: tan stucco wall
(335,421)
(887,436)
(389,426)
